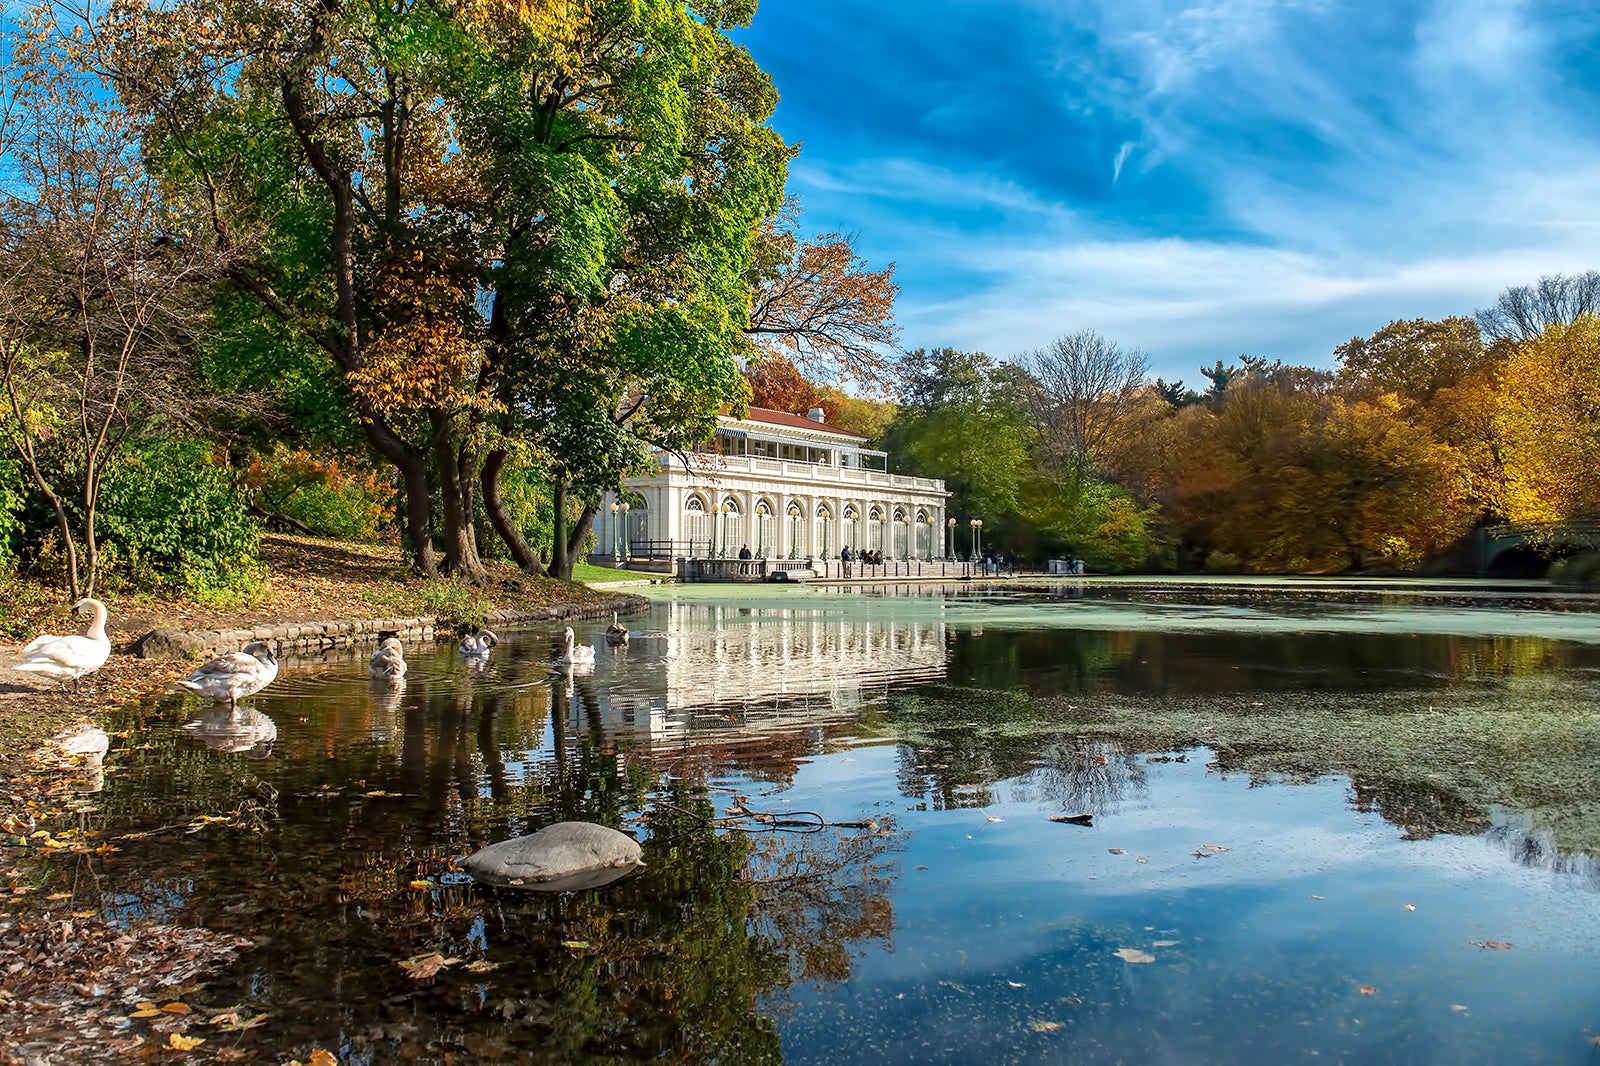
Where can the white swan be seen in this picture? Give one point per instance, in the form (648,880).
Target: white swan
(573,652)
(478,644)
(70,658)
(616,632)
(388,663)
(234,676)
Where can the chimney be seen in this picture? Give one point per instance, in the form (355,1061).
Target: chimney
(815,414)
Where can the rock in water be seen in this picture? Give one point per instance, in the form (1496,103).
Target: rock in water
(565,857)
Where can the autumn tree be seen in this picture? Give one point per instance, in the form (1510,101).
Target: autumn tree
(1547,418)
(819,306)
(1413,359)
(101,284)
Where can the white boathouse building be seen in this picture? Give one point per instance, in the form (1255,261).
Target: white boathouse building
(787,486)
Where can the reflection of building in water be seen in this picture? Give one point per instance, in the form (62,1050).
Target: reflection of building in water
(771,667)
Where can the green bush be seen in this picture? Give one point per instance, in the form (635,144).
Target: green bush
(11,500)
(170,517)
(456,606)
(322,494)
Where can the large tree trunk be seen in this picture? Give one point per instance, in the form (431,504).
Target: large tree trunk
(493,464)
(460,551)
(560,558)
(467,478)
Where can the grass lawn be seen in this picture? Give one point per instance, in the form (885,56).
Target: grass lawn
(585,571)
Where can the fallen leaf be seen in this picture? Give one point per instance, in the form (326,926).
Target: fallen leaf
(155,1013)
(575,943)
(1215,848)
(1073,819)
(1369,990)
(1044,1027)
(1134,955)
(1411,906)
(421,967)
(176,1008)
(1141,859)
(1492,945)
(481,966)
(422,885)
(1319,897)
(1015,984)
(1458,1007)
(1116,851)
(1165,944)
(179,1042)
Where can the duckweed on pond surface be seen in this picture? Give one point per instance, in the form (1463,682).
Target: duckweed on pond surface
(1339,821)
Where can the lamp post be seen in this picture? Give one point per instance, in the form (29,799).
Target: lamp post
(794,532)
(976,524)
(952,553)
(625,506)
(614,555)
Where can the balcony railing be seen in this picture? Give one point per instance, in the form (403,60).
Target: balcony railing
(793,470)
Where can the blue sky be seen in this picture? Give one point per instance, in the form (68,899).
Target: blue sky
(1196,179)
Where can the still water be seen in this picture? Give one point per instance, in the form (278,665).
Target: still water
(1332,821)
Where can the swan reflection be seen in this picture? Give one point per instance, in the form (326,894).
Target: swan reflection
(246,730)
(386,692)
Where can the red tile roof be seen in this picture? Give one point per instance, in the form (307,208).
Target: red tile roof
(784,418)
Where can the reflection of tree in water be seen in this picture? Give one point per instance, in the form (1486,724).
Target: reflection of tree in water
(1418,809)
(824,896)
(1078,774)
(1529,847)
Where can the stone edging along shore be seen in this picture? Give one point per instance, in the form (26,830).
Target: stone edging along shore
(169,643)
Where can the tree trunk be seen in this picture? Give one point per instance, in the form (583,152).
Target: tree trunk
(493,464)
(460,553)
(467,478)
(580,530)
(560,558)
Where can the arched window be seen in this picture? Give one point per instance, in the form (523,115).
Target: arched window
(795,515)
(635,523)
(902,534)
(732,536)
(875,529)
(826,542)
(852,527)
(764,544)
(924,535)
(697,526)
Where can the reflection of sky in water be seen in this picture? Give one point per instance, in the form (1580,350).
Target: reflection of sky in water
(1014,922)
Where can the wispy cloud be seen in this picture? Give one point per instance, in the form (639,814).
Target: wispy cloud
(1197,178)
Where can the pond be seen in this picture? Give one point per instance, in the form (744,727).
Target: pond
(1342,820)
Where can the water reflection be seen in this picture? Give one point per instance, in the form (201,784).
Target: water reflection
(244,730)
(933,744)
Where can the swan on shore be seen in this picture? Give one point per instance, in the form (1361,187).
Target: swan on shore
(69,658)
(388,663)
(234,676)
(573,652)
(616,632)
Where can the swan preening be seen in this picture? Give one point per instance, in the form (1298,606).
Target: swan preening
(70,658)
(476,645)
(616,632)
(573,652)
(388,663)
(234,676)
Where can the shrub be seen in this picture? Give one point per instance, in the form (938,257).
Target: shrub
(456,606)
(1580,569)
(170,517)
(321,494)
(11,500)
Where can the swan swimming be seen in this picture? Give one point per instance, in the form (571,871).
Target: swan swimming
(234,676)
(573,652)
(388,663)
(616,632)
(70,658)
